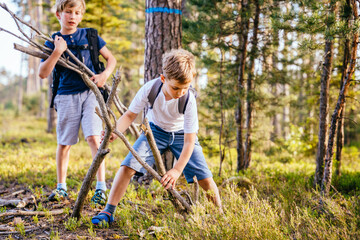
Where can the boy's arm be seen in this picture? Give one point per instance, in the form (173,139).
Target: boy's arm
(123,123)
(46,67)
(100,79)
(170,178)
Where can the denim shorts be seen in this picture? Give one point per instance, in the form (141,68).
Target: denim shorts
(166,140)
(73,110)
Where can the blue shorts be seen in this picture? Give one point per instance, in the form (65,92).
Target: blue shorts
(174,141)
(73,110)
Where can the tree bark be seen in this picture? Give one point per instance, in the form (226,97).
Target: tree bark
(243,40)
(222,117)
(340,128)
(326,181)
(324,103)
(250,87)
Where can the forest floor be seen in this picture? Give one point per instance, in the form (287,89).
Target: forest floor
(273,199)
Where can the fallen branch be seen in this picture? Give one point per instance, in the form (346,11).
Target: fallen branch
(31,213)
(12,230)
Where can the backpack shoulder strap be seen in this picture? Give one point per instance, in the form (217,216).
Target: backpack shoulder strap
(183,101)
(154,92)
(92,37)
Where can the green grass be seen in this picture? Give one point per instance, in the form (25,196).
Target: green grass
(280,203)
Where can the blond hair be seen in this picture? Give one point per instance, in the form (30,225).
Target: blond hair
(61,4)
(179,65)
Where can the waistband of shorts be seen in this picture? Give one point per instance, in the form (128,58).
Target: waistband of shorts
(180,132)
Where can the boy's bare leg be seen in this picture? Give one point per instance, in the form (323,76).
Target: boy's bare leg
(208,184)
(62,162)
(120,183)
(94,143)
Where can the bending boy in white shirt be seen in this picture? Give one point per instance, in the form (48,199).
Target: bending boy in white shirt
(172,130)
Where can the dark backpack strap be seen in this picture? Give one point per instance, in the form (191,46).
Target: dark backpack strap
(92,37)
(55,76)
(183,102)
(154,92)
(55,84)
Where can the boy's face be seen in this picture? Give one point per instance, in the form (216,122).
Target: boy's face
(172,89)
(70,19)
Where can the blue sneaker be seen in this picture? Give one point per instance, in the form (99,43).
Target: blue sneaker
(58,194)
(101,218)
(99,197)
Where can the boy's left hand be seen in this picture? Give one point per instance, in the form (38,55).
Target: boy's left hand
(170,178)
(99,79)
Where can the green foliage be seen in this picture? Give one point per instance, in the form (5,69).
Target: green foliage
(19,227)
(72,224)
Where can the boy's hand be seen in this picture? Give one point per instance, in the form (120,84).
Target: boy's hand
(170,178)
(112,137)
(99,79)
(60,44)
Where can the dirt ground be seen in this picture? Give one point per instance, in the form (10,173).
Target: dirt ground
(46,227)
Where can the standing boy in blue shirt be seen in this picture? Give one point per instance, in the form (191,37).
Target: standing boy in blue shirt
(172,130)
(75,103)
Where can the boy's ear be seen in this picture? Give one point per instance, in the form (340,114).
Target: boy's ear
(162,77)
(57,15)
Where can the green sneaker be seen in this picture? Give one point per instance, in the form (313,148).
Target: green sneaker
(99,197)
(57,195)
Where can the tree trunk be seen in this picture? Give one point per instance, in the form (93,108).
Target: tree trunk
(324,104)
(243,40)
(250,87)
(275,88)
(222,117)
(162,33)
(326,181)
(340,128)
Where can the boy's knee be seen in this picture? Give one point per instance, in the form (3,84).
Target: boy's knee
(92,139)
(207,184)
(127,171)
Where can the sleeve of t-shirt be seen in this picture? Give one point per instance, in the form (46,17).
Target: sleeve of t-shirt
(101,42)
(140,100)
(191,122)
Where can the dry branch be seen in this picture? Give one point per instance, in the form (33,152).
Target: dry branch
(31,213)
(157,156)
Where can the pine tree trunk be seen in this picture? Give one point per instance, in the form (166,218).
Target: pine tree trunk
(275,88)
(326,181)
(324,105)
(222,117)
(42,82)
(250,87)
(163,32)
(243,40)
(340,128)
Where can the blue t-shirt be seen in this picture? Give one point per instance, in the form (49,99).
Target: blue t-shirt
(70,81)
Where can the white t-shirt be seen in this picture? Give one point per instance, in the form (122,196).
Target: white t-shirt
(165,114)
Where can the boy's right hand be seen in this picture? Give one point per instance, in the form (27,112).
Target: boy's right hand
(60,44)
(112,137)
